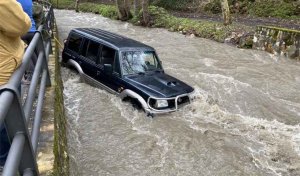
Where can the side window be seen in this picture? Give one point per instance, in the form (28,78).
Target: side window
(107,55)
(74,42)
(92,50)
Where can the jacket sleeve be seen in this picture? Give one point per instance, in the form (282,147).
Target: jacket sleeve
(14,22)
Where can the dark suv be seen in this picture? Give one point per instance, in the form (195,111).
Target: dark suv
(125,67)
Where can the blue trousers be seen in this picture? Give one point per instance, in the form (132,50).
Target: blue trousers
(4,145)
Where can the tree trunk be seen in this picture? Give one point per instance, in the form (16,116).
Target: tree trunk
(146,16)
(120,6)
(123,9)
(137,7)
(127,8)
(226,12)
(77,5)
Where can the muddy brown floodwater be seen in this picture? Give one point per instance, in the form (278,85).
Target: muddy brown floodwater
(244,121)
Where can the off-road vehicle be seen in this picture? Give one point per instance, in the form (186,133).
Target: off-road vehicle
(125,67)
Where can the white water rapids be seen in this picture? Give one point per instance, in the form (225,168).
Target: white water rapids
(244,120)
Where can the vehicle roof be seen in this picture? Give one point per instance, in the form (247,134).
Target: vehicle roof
(118,41)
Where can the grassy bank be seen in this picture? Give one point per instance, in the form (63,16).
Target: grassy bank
(200,28)
(162,19)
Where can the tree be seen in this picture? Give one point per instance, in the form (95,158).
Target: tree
(226,12)
(146,17)
(137,7)
(124,9)
(77,5)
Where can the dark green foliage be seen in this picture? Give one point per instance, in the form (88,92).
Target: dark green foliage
(174,4)
(213,7)
(63,4)
(105,10)
(262,8)
(273,8)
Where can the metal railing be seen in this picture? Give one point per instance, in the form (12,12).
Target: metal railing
(16,115)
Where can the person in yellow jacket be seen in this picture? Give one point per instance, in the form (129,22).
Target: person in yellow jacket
(14,23)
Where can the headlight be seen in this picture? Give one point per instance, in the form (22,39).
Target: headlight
(161,103)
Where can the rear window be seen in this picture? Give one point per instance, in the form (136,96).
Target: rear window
(74,42)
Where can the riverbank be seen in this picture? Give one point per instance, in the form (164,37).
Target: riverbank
(241,33)
(163,19)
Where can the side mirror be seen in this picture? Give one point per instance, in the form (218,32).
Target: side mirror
(108,68)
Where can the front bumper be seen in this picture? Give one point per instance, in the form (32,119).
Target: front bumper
(173,103)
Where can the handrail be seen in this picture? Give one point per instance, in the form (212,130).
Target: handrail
(22,154)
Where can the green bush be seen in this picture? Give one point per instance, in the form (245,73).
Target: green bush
(273,9)
(104,10)
(63,4)
(213,7)
(173,4)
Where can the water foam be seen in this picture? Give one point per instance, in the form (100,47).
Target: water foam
(140,123)
(268,135)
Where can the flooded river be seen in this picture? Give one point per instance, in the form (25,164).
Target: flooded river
(244,121)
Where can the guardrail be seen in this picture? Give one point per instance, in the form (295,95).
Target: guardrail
(15,115)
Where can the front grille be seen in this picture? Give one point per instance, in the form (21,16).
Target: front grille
(183,100)
(171,103)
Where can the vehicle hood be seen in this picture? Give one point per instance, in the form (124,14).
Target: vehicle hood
(159,85)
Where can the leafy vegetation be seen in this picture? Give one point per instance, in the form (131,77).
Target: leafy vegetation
(205,29)
(63,4)
(105,10)
(266,8)
(273,9)
(173,4)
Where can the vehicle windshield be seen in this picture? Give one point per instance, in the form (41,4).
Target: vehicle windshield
(134,62)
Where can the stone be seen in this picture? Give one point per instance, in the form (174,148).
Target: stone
(278,41)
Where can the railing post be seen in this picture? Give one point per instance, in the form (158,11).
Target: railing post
(15,125)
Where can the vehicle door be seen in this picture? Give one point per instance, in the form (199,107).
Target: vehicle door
(73,47)
(109,68)
(89,54)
